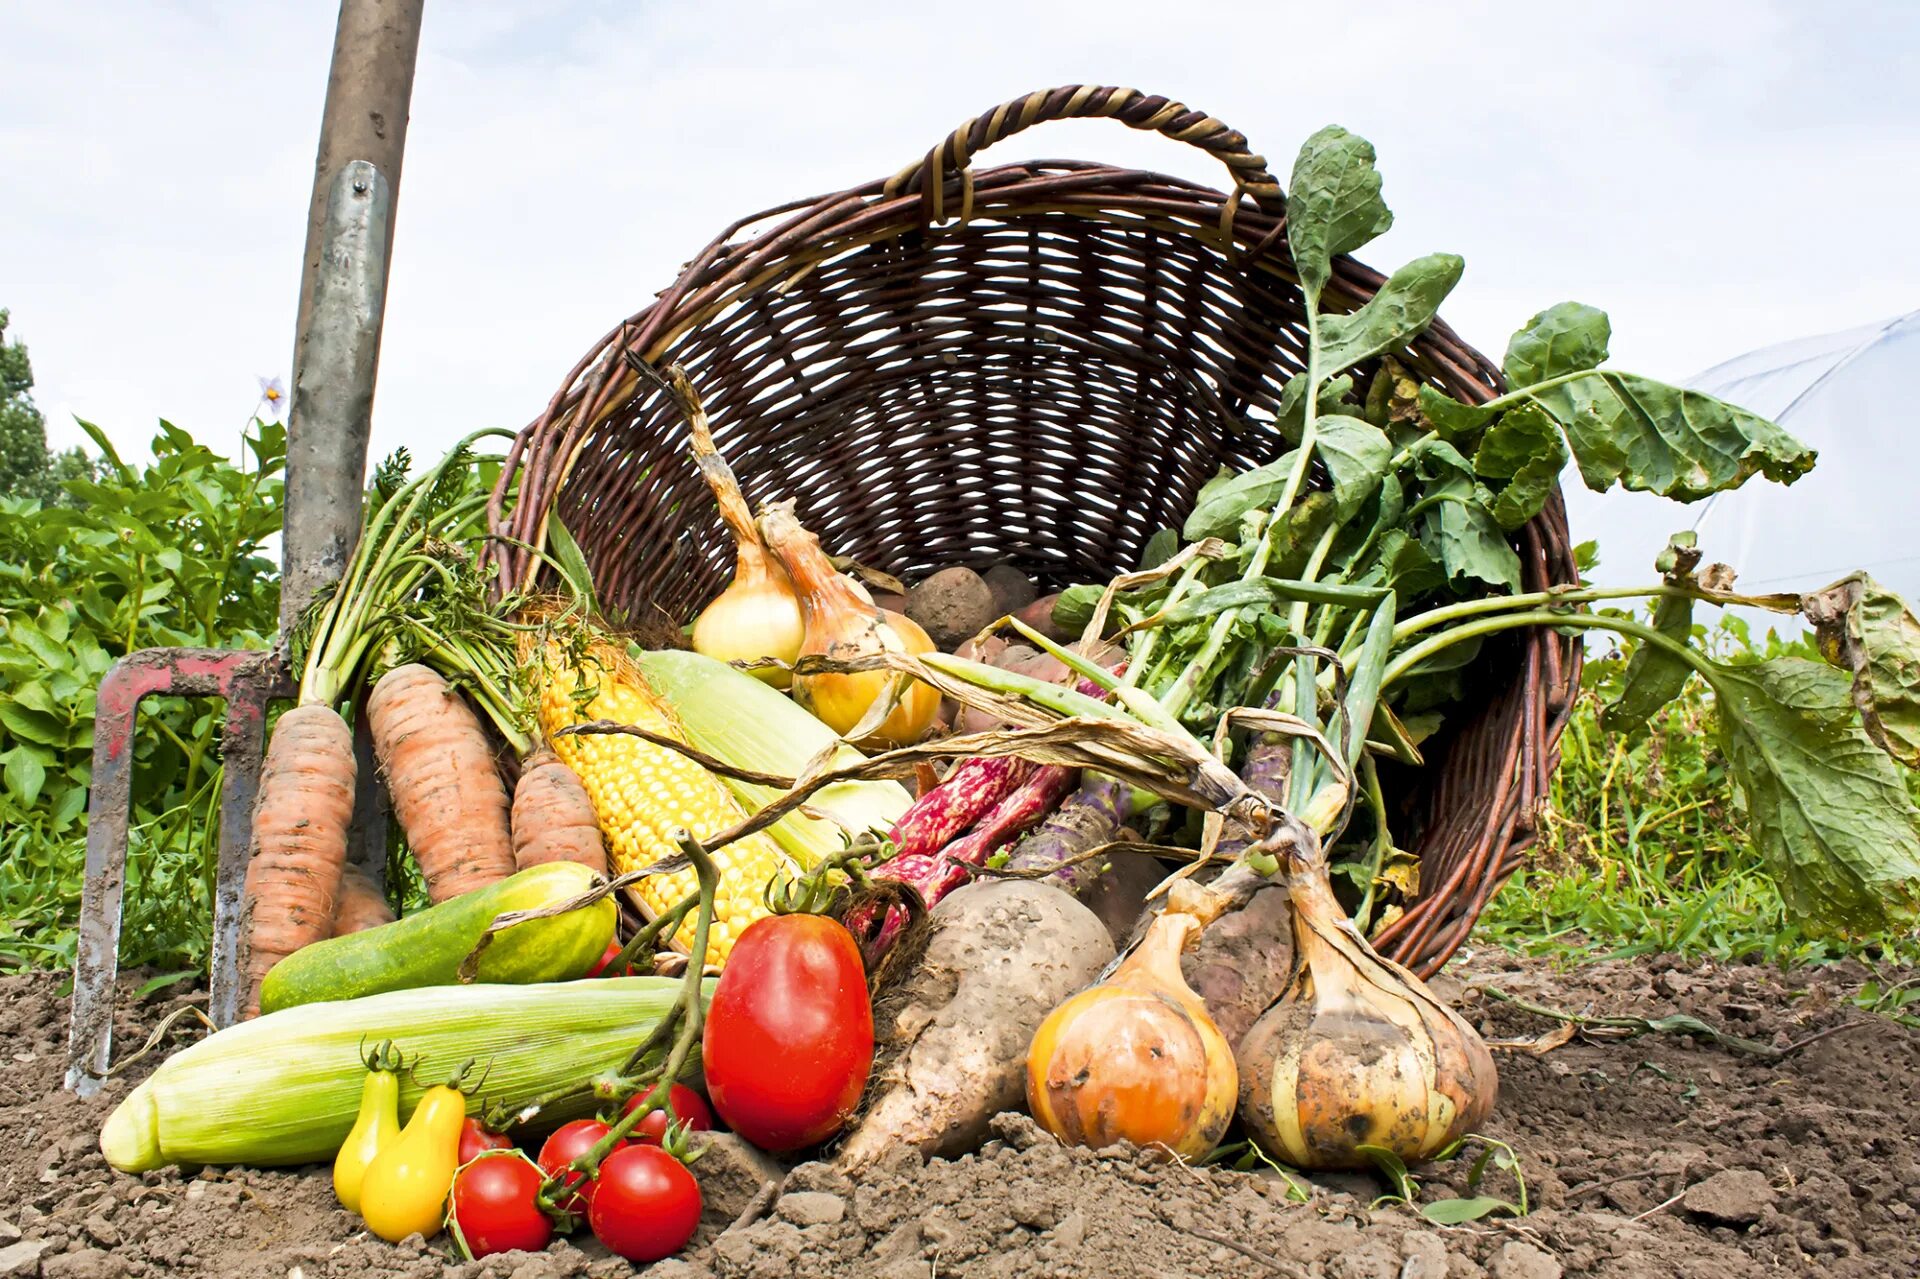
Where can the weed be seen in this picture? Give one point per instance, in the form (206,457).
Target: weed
(1643,849)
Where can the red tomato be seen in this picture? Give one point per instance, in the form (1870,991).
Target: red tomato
(474,1140)
(688,1110)
(496,1208)
(648,1204)
(569,1142)
(789,1038)
(611,953)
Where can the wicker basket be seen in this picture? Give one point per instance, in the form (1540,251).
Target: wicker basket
(1039,363)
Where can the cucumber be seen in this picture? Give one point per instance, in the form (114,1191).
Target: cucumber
(425,948)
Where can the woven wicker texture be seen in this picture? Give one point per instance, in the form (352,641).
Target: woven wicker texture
(1038,363)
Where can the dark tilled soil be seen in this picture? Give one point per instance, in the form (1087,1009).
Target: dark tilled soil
(1652,1156)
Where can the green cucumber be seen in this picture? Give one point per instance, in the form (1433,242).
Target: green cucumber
(425,948)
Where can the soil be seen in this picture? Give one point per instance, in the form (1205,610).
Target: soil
(1661,1155)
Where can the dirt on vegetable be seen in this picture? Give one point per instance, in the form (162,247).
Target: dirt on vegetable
(1656,1156)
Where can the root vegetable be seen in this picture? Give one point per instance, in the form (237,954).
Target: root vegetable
(361,904)
(952,605)
(299,839)
(553,819)
(953,1034)
(1242,962)
(1090,817)
(758,615)
(447,795)
(1012,589)
(842,626)
(1136,1058)
(1024,659)
(1039,615)
(1358,1051)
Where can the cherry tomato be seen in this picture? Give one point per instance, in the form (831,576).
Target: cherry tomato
(569,1142)
(689,1111)
(648,1204)
(496,1208)
(475,1139)
(789,1038)
(612,953)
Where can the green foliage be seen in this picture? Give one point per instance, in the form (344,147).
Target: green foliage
(27,469)
(169,554)
(1646,847)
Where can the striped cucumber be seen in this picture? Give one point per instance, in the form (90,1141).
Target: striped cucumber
(425,948)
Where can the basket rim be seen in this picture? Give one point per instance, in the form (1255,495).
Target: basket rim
(731,268)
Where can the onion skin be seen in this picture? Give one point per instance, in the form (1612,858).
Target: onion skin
(1357,1052)
(1136,1058)
(843,626)
(757,616)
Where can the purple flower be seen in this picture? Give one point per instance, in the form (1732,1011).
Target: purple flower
(273,398)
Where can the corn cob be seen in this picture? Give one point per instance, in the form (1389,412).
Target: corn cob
(643,793)
(283,1088)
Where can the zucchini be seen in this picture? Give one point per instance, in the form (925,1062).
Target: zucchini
(425,948)
(285,1088)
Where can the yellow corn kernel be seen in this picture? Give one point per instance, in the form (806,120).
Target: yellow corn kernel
(643,792)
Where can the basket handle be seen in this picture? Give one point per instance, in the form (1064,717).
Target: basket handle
(1132,108)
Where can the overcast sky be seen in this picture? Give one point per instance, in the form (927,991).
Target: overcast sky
(1718,176)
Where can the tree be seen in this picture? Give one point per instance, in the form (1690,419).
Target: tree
(27,468)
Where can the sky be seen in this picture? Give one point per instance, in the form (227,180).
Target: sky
(1717,176)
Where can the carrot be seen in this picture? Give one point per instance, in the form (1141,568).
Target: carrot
(446,793)
(361,906)
(553,820)
(300,825)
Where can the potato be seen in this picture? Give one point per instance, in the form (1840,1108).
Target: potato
(1012,589)
(952,1037)
(951,606)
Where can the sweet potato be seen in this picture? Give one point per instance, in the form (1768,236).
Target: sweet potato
(953,1036)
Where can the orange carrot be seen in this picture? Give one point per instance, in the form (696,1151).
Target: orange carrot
(299,839)
(553,820)
(439,768)
(362,905)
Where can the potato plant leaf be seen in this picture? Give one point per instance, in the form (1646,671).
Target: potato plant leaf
(1871,633)
(1524,449)
(1651,437)
(1566,338)
(1840,834)
(1393,317)
(1356,455)
(1333,205)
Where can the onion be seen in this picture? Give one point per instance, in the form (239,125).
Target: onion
(1357,1052)
(758,616)
(1136,1058)
(842,625)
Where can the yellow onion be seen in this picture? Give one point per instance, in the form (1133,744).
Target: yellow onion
(1136,1058)
(758,616)
(1357,1051)
(843,626)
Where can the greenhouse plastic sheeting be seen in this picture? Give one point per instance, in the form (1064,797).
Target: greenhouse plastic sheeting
(1850,396)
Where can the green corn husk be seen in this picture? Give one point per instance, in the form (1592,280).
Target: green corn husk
(284,1088)
(734,717)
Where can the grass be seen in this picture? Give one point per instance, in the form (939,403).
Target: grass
(1644,848)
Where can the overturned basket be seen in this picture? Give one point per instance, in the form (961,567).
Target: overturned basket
(1039,363)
